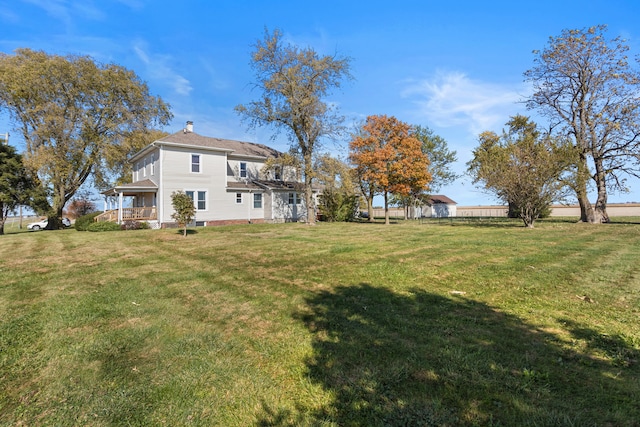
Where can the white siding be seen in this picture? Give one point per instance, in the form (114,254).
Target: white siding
(212,178)
(253,169)
(147,167)
(177,176)
(284,211)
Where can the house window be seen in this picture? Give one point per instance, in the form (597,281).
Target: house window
(299,198)
(243,170)
(137,171)
(153,164)
(257,200)
(202,201)
(238,197)
(292,198)
(195,163)
(199,199)
(278,175)
(144,167)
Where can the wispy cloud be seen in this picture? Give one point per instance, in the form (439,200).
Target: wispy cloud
(8,15)
(58,9)
(158,68)
(455,100)
(66,10)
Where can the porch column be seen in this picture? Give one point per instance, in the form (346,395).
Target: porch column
(120,199)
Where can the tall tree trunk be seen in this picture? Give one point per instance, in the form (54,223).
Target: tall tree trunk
(587,213)
(370,207)
(4,213)
(54,216)
(308,190)
(600,210)
(386,208)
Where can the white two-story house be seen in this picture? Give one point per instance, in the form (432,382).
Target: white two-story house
(226,179)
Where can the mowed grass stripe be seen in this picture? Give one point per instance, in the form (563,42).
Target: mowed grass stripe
(338,324)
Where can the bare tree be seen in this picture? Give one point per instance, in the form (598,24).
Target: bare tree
(583,82)
(294,82)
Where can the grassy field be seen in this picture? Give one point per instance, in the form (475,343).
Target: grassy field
(442,324)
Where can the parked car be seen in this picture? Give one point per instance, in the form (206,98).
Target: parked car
(42,224)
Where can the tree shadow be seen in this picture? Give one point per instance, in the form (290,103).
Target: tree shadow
(419,359)
(190,231)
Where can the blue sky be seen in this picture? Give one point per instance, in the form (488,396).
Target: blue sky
(456,67)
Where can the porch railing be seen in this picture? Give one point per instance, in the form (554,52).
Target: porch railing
(129,214)
(108,216)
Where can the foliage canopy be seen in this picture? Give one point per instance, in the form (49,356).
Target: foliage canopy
(76,117)
(584,84)
(339,199)
(184,210)
(389,159)
(440,157)
(521,167)
(293,84)
(17,185)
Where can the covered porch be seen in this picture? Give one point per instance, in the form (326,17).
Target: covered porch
(141,197)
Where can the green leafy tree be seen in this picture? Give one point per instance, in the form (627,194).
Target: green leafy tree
(440,157)
(293,82)
(339,199)
(522,167)
(184,211)
(75,117)
(584,84)
(17,186)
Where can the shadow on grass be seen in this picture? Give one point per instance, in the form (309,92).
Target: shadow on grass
(190,231)
(390,359)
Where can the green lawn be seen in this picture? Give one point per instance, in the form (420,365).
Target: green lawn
(437,323)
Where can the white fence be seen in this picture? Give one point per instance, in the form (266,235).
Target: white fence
(613,209)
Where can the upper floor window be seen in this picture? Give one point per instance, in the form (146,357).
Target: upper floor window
(243,170)
(144,167)
(277,174)
(195,163)
(153,164)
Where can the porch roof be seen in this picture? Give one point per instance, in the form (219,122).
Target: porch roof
(144,186)
(283,185)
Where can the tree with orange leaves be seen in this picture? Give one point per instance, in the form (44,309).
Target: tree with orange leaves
(388,160)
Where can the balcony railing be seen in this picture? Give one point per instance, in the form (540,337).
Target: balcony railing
(129,214)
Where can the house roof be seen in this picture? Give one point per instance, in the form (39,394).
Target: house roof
(243,186)
(138,186)
(282,185)
(239,148)
(438,198)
